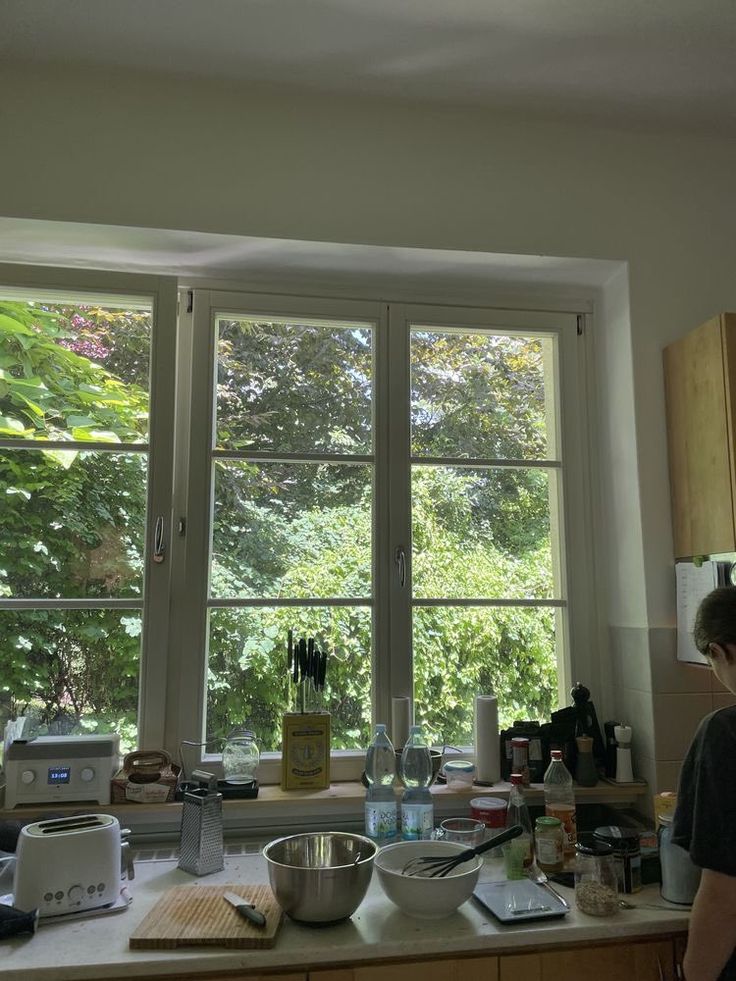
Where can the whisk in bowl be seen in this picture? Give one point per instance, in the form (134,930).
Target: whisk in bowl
(437,866)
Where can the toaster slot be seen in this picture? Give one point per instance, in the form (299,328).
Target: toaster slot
(63,825)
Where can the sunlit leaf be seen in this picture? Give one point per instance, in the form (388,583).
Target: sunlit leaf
(10,426)
(12,326)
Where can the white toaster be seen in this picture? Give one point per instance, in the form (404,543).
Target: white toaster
(68,864)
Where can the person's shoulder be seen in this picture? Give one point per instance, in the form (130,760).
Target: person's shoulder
(718,724)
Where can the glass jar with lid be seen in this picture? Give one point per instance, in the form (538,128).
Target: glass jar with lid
(596,882)
(549,844)
(240,757)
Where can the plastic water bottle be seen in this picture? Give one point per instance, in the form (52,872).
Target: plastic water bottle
(559,800)
(415,770)
(380,801)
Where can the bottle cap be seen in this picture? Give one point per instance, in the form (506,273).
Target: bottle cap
(380,727)
(516,778)
(548,822)
(519,741)
(556,754)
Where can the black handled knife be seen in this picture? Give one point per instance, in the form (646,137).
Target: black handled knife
(246,909)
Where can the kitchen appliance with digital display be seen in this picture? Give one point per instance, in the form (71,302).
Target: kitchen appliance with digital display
(60,769)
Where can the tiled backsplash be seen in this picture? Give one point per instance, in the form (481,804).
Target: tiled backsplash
(238,849)
(661,698)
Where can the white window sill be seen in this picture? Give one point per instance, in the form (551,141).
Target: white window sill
(276,811)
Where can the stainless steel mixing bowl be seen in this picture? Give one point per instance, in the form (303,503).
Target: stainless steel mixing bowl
(322,877)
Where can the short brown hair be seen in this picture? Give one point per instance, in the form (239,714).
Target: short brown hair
(715,621)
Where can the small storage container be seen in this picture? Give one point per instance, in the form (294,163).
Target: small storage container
(627,854)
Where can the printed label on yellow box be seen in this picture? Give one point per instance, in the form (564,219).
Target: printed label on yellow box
(305,759)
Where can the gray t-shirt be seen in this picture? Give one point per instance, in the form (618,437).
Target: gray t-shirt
(705,817)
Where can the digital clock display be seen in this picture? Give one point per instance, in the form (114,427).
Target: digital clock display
(59,774)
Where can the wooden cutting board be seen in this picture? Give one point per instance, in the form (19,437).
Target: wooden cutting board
(192,915)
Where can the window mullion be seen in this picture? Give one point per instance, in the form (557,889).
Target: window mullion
(381,661)
(399,494)
(155,640)
(193,504)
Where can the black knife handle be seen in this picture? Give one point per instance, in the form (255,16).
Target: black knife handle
(255,916)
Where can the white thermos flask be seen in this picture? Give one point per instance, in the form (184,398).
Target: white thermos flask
(623,754)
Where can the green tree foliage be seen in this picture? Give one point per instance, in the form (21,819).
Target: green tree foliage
(476,533)
(72,522)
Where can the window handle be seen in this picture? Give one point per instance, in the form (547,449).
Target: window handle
(159,546)
(400,560)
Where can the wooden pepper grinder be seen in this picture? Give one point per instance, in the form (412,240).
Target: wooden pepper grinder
(585,771)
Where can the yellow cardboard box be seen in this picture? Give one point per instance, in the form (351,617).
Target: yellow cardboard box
(305,751)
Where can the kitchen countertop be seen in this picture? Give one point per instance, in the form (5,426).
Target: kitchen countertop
(97,947)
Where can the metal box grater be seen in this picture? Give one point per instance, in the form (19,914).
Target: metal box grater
(201,850)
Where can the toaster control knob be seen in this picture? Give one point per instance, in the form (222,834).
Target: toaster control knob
(27,776)
(75,894)
(87,774)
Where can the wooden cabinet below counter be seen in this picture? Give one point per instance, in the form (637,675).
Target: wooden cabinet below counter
(454,969)
(648,960)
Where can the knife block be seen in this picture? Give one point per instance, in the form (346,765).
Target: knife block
(305,751)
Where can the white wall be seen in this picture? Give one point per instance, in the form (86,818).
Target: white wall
(173,153)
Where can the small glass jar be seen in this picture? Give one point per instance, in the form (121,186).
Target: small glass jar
(549,844)
(240,757)
(596,883)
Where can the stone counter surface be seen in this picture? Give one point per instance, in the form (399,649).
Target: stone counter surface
(97,948)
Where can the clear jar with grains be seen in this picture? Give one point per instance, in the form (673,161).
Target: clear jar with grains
(596,883)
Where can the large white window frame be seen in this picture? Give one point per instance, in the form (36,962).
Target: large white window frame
(392,603)
(173,655)
(59,285)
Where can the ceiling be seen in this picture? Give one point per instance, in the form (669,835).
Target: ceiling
(667,61)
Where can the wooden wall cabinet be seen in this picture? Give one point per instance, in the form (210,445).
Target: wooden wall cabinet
(700,392)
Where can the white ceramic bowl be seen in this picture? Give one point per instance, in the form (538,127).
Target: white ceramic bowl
(419,896)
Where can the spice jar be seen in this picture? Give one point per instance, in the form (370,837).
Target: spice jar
(548,837)
(627,853)
(596,883)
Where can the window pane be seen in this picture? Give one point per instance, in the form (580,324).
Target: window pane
(292,530)
(73,372)
(479,395)
(461,652)
(481,533)
(73,671)
(72,523)
(294,387)
(248,680)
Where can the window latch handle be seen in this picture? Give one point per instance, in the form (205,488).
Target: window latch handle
(159,546)
(400,560)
